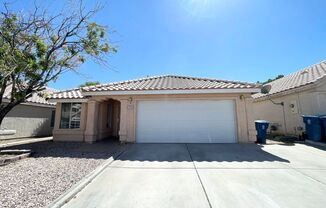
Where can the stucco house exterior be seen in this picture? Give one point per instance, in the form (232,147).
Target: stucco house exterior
(161,109)
(301,93)
(35,117)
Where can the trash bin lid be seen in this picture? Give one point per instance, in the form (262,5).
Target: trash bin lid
(261,121)
(309,116)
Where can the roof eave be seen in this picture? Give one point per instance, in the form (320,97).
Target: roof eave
(33,104)
(39,105)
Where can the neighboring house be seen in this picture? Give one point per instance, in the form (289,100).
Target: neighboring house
(35,117)
(163,109)
(302,93)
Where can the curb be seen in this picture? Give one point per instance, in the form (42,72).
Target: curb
(75,189)
(26,141)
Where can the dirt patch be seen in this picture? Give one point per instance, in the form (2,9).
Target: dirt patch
(283,140)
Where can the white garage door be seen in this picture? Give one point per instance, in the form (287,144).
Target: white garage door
(186,121)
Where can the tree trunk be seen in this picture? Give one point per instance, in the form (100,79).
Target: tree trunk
(5,110)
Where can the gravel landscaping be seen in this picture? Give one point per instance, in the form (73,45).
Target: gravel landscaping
(52,169)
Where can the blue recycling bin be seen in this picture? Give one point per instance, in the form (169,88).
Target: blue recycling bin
(323,121)
(261,128)
(314,128)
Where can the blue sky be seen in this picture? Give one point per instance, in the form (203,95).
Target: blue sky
(247,40)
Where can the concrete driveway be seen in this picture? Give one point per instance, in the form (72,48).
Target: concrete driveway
(210,175)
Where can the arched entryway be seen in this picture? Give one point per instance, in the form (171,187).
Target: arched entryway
(109,120)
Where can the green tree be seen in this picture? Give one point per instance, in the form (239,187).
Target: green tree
(90,83)
(36,48)
(271,80)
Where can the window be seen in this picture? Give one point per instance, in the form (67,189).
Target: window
(109,116)
(70,115)
(52,118)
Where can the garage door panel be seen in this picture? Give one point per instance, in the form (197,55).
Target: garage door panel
(186,121)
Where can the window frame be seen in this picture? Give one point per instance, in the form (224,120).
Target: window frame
(71,115)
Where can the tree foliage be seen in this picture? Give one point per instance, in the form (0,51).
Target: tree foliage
(90,83)
(36,48)
(271,80)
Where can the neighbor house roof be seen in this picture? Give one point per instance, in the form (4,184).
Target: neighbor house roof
(35,98)
(166,82)
(304,77)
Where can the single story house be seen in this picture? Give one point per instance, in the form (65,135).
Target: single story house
(162,109)
(33,118)
(300,93)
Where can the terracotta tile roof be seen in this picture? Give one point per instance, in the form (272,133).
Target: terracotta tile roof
(297,79)
(170,82)
(35,98)
(67,94)
(166,82)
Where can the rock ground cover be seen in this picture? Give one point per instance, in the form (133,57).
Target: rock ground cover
(52,169)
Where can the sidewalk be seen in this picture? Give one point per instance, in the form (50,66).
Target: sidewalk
(13,142)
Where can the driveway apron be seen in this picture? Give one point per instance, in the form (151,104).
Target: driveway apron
(146,175)
(210,175)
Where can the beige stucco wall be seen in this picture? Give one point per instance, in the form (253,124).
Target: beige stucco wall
(28,121)
(307,101)
(93,127)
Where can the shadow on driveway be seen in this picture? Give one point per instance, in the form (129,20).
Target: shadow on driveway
(198,153)
(154,152)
